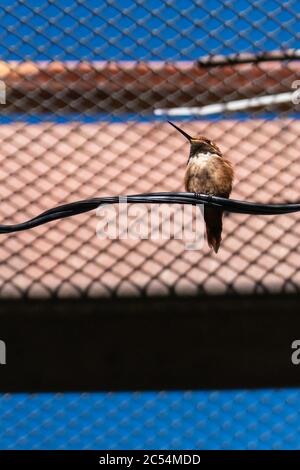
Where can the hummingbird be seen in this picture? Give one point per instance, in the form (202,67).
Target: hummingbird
(208,172)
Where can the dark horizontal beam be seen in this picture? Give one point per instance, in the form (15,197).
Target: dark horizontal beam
(146,344)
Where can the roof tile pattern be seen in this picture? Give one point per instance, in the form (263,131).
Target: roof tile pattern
(48,164)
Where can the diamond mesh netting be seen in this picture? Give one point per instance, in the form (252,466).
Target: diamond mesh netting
(83,80)
(199,420)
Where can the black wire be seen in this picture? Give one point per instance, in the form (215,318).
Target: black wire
(80,207)
(244,58)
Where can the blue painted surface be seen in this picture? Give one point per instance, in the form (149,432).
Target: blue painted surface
(121,118)
(264,419)
(148,30)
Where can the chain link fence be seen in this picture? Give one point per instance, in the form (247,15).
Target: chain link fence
(201,420)
(83,80)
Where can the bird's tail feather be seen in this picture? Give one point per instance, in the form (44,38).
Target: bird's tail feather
(213,221)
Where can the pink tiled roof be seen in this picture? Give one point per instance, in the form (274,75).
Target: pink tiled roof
(45,165)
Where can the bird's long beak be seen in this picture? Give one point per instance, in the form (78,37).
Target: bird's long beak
(188,137)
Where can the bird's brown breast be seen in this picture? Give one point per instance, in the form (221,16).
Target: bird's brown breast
(213,175)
